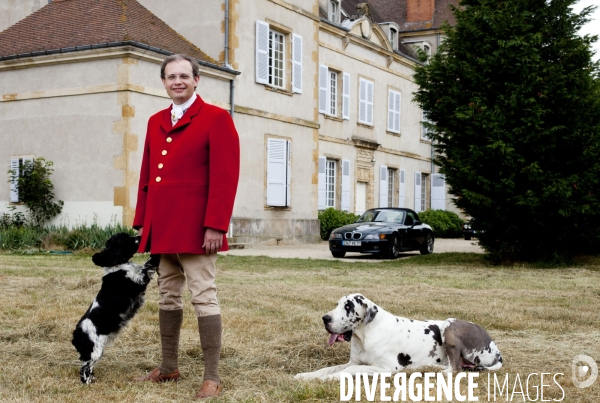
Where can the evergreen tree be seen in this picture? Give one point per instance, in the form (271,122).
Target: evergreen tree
(515,100)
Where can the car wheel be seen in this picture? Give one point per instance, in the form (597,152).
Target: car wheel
(427,247)
(338,254)
(467,237)
(394,249)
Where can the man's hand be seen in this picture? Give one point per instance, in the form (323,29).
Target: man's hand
(213,240)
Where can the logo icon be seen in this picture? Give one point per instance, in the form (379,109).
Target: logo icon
(584,371)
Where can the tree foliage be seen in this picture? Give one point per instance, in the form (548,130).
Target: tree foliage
(515,97)
(36,191)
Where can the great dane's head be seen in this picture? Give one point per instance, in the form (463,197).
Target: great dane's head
(352,311)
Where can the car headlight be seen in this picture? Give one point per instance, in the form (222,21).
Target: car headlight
(375,236)
(335,236)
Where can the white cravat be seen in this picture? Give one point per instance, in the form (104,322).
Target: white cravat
(177,111)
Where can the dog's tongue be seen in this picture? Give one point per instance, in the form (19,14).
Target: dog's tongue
(335,338)
(332,338)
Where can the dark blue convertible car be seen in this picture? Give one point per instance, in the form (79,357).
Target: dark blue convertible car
(385,232)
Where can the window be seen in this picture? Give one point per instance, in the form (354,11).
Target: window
(271,58)
(17,165)
(334,11)
(365,108)
(424,192)
(329,92)
(330,183)
(394,38)
(394,103)
(333,184)
(427,49)
(410,218)
(276,52)
(418,193)
(333,92)
(278,172)
(392,188)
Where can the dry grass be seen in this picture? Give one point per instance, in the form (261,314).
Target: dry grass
(540,319)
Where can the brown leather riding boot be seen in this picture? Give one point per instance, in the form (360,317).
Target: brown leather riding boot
(210,329)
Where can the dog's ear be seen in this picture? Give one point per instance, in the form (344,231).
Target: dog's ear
(371,313)
(103,259)
(119,249)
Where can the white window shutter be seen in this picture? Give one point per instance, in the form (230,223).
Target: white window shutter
(391,110)
(288,201)
(438,192)
(397,104)
(362,102)
(383,186)
(402,189)
(370,90)
(323,88)
(345,205)
(417,191)
(345,96)
(277,177)
(322,186)
(14,191)
(262,52)
(297,63)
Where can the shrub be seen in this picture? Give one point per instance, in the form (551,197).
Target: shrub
(80,237)
(23,237)
(445,224)
(36,191)
(330,219)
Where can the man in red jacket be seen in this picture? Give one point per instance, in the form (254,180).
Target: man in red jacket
(188,181)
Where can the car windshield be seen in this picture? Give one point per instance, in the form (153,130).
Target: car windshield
(395,216)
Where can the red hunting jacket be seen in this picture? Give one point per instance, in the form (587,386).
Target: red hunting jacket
(188,179)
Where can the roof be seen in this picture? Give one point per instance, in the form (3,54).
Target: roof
(395,10)
(66,24)
(349,7)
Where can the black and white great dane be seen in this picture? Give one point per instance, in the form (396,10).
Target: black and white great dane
(382,342)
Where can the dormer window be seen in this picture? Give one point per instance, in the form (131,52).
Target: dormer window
(394,38)
(334,11)
(427,49)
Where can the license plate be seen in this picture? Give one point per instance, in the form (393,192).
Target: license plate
(351,243)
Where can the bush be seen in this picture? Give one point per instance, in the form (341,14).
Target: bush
(330,219)
(36,191)
(80,237)
(445,224)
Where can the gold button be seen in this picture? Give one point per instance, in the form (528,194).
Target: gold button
(164,152)
(160,166)
(169,139)
(158,178)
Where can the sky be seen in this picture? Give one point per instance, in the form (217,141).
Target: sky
(592,27)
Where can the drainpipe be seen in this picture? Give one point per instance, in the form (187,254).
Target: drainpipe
(231,83)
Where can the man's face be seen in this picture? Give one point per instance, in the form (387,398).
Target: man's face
(179,81)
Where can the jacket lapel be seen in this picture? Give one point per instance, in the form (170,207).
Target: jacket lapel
(189,114)
(165,122)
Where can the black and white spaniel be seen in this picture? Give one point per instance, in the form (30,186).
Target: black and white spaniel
(120,297)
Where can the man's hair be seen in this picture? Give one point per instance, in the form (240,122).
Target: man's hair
(172,58)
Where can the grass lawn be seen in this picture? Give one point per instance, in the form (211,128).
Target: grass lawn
(540,319)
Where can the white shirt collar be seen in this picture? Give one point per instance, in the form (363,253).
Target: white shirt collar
(177,111)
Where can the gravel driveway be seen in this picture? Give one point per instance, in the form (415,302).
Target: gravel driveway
(321,250)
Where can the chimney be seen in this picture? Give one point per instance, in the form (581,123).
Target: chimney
(419,10)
